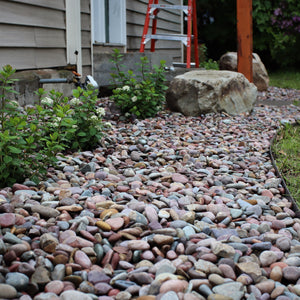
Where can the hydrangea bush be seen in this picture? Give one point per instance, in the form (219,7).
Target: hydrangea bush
(32,136)
(138,95)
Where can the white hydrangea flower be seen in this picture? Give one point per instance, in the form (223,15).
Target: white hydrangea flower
(75,126)
(93,118)
(108,124)
(55,124)
(75,101)
(134,99)
(47,101)
(100,111)
(126,88)
(137,86)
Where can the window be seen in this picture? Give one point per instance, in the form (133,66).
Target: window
(109,21)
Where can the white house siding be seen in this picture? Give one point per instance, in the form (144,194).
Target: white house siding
(33,34)
(169,21)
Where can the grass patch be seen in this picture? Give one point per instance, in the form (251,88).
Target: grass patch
(286,149)
(287,79)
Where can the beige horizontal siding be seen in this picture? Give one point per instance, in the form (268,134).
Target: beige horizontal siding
(31,37)
(57,4)
(31,15)
(33,34)
(32,58)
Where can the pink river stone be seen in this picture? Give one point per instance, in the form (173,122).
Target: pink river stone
(175,285)
(78,242)
(82,259)
(115,223)
(7,220)
(55,287)
(176,177)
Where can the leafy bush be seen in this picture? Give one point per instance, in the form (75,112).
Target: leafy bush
(31,137)
(204,62)
(141,95)
(277,29)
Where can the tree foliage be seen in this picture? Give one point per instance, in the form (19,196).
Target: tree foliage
(276,29)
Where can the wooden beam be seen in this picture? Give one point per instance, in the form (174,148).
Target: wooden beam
(245,38)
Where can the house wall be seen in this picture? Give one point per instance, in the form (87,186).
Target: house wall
(33,34)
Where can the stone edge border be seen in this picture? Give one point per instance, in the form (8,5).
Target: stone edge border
(287,192)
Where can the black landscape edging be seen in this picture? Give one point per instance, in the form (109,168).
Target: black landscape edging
(287,193)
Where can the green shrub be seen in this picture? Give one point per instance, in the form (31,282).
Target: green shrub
(141,95)
(31,137)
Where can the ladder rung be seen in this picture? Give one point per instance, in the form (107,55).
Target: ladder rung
(167,37)
(165,6)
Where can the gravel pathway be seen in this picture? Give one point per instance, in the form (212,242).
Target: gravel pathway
(170,208)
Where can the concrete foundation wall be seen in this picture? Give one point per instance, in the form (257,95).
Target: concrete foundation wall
(28,84)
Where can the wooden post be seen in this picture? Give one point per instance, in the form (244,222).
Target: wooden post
(245,38)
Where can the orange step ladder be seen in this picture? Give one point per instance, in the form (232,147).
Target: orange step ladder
(190,16)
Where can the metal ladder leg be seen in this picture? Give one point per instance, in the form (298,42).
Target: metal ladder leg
(146,26)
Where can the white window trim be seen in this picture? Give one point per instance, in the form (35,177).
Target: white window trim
(98,23)
(73,34)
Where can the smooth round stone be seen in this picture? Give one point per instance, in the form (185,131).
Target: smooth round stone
(284,243)
(175,285)
(123,284)
(163,214)
(74,295)
(151,213)
(291,273)
(115,223)
(141,278)
(293,261)
(261,246)
(235,213)
(102,288)
(148,255)
(7,220)
(215,279)
(46,296)
(103,225)
(123,296)
(235,290)
(205,290)
(188,231)
(86,287)
(266,258)
(59,272)
(279,290)
(82,259)
(17,280)
(266,286)
(138,245)
(161,239)
(95,276)
(227,271)
(7,291)
(171,295)
(276,274)
(55,286)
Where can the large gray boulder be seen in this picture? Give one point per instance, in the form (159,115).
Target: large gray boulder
(228,61)
(203,91)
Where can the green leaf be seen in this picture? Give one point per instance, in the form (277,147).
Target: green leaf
(14,150)
(7,159)
(81,133)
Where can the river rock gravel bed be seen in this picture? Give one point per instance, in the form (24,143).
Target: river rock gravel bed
(172,208)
